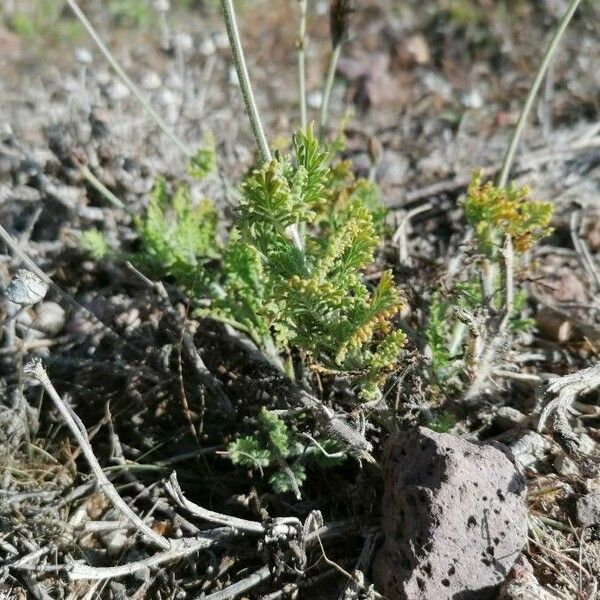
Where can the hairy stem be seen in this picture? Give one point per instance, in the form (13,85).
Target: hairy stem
(333,62)
(182,146)
(302,41)
(244,79)
(509,157)
(239,60)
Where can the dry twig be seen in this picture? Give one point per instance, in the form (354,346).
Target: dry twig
(37,371)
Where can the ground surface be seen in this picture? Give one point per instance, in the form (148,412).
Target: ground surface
(427,93)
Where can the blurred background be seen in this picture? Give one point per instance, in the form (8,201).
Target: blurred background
(437,83)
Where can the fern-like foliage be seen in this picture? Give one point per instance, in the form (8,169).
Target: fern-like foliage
(291,272)
(179,238)
(314,296)
(93,243)
(204,161)
(240,298)
(275,446)
(495,212)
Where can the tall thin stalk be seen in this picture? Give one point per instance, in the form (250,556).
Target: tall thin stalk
(239,60)
(244,79)
(509,157)
(182,146)
(302,41)
(328,87)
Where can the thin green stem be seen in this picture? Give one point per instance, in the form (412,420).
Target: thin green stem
(101,188)
(509,157)
(333,62)
(186,150)
(239,60)
(302,41)
(244,79)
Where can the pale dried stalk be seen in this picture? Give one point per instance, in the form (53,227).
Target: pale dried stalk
(239,61)
(567,389)
(495,339)
(328,87)
(302,41)
(282,528)
(583,251)
(181,146)
(177,550)
(37,371)
(533,92)
(264,573)
(260,138)
(172,488)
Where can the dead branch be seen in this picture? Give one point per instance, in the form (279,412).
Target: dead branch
(567,389)
(37,371)
(284,527)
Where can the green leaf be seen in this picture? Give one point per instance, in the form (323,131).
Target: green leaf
(204,162)
(283,481)
(249,452)
(92,241)
(280,438)
(179,238)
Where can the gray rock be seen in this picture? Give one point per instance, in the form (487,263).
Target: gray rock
(392,167)
(26,288)
(587,510)
(184,42)
(207,47)
(454,518)
(50,317)
(530,448)
(83,56)
(507,418)
(521,584)
(151,81)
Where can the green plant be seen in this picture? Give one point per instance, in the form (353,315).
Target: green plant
(311,298)
(442,423)
(276,447)
(178,237)
(131,12)
(93,243)
(303,297)
(493,213)
(204,162)
(315,298)
(42,18)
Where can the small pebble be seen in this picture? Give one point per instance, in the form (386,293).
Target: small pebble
(472,99)
(83,56)
(530,448)
(151,81)
(221,40)
(26,288)
(50,317)
(232,76)
(207,47)
(507,418)
(184,42)
(174,81)
(117,91)
(161,6)
(314,99)
(587,510)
